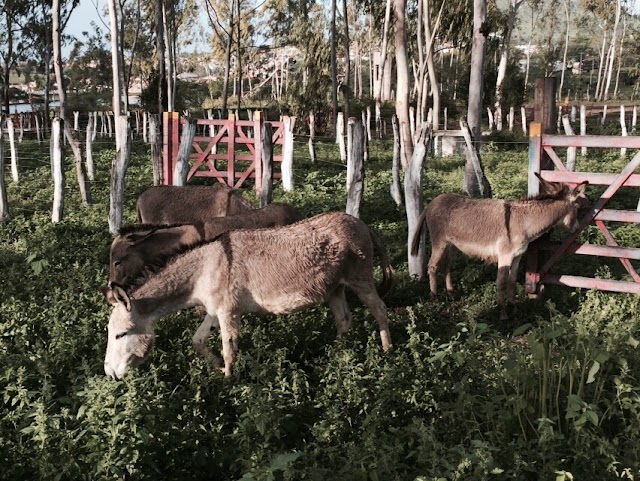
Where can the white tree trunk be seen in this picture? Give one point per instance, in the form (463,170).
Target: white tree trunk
(566,47)
(402,81)
(4,204)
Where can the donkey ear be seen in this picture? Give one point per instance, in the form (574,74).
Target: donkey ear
(134,239)
(116,295)
(548,187)
(579,190)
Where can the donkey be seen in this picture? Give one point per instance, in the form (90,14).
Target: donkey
(167,204)
(140,244)
(498,231)
(277,270)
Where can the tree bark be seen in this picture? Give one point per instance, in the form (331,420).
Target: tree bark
(402,83)
(334,67)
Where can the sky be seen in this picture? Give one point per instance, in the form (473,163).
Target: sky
(83,15)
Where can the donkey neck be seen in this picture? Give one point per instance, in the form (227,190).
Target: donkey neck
(539,216)
(171,288)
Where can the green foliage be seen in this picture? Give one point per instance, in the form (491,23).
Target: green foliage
(553,393)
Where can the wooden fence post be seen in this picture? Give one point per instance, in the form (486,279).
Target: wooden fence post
(145,127)
(623,127)
(571,151)
(545,111)
(12,147)
(231,150)
(38,133)
(181,169)
(583,125)
(355,167)
(258,120)
(340,136)
(118,171)
(4,204)
(395,167)
(266,190)
(170,140)
(414,200)
(312,137)
(156,148)
(286,167)
(76,115)
(91,170)
(57,170)
(523,118)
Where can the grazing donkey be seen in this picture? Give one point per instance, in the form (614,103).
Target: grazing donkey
(189,204)
(140,244)
(278,270)
(498,231)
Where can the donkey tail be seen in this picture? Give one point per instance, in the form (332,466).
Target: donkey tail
(387,269)
(415,242)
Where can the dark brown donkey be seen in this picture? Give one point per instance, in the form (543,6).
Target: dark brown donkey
(497,231)
(166,204)
(141,244)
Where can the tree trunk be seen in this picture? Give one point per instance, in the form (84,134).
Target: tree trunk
(355,167)
(414,200)
(4,204)
(566,47)
(347,60)
(612,53)
(512,14)
(160,57)
(402,83)
(334,67)
(474,109)
(383,58)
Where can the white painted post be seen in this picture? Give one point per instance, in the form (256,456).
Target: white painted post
(118,171)
(181,171)
(490,114)
(446,120)
(312,137)
(573,114)
(91,169)
(523,118)
(498,118)
(4,204)
(571,151)
(583,125)
(366,140)
(76,115)
(20,127)
(266,193)
(57,170)
(634,119)
(286,168)
(355,167)
(145,130)
(512,116)
(368,123)
(38,133)
(340,136)
(110,126)
(623,126)
(12,147)
(604,114)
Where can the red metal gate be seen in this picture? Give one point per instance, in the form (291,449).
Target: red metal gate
(242,140)
(539,274)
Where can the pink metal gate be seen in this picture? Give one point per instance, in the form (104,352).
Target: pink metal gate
(539,274)
(241,149)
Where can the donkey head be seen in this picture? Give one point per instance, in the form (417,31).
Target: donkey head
(129,340)
(576,199)
(126,261)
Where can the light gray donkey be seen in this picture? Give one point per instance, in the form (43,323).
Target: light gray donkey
(278,270)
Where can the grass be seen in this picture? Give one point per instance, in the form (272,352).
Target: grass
(552,392)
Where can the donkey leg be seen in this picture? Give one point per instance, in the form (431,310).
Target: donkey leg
(437,253)
(448,279)
(229,331)
(200,340)
(513,275)
(504,266)
(338,304)
(370,298)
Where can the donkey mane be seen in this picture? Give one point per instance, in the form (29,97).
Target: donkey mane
(544,195)
(135,228)
(162,261)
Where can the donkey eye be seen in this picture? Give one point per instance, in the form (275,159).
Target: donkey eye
(117,263)
(121,335)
